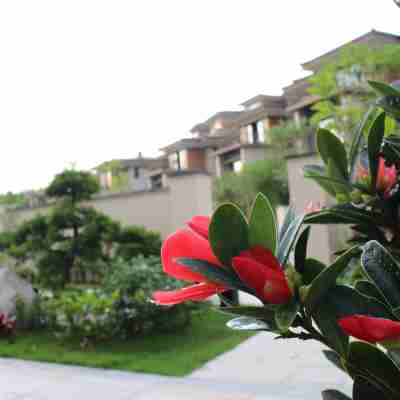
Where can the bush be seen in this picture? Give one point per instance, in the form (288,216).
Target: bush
(136,280)
(132,241)
(121,308)
(89,315)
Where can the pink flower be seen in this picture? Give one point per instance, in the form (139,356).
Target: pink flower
(313,207)
(386,179)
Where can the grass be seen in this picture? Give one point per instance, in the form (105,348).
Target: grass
(167,354)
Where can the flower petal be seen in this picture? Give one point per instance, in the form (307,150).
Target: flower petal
(370,329)
(200,224)
(270,284)
(185,243)
(197,292)
(262,256)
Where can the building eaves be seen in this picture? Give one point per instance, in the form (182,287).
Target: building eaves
(185,144)
(365,38)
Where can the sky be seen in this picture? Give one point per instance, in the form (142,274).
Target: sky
(82,82)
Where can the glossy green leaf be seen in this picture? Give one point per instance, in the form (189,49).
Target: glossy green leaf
(319,175)
(334,395)
(394,354)
(262,313)
(228,233)
(289,239)
(339,184)
(312,268)
(375,138)
(362,131)
(287,221)
(300,251)
(286,314)
(363,389)
(376,366)
(331,147)
(384,89)
(345,301)
(214,273)
(327,279)
(263,229)
(368,289)
(334,358)
(325,318)
(383,270)
(248,324)
(329,217)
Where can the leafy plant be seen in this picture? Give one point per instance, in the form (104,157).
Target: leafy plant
(301,297)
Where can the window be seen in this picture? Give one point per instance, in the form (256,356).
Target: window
(136,172)
(174,161)
(255,132)
(350,77)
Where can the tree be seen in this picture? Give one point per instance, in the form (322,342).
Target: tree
(343,88)
(267,176)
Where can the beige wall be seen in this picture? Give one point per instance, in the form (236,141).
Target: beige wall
(302,191)
(163,210)
(251,154)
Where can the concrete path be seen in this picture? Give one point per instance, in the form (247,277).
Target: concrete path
(258,369)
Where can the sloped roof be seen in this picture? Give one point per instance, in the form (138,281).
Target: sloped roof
(372,36)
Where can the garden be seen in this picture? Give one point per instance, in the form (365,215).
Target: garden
(88,298)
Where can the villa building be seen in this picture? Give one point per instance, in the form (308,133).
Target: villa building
(230,139)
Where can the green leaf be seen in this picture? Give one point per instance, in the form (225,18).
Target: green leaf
(383,270)
(324,316)
(214,273)
(262,313)
(329,217)
(262,225)
(368,289)
(376,367)
(334,358)
(339,184)
(289,239)
(364,389)
(345,301)
(358,137)
(319,175)
(287,221)
(384,89)
(334,395)
(395,356)
(375,139)
(312,268)
(286,314)
(331,147)
(228,233)
(248,324)
(327,279)
(300,251)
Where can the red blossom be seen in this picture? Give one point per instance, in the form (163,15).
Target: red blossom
(370,329)
(387,177)
(188,243)
(260,270)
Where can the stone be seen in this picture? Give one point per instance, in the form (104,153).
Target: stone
(12,287)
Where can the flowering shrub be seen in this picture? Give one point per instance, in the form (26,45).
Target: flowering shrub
(301,297)
(7,325)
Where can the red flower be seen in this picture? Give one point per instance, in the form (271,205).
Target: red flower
(387,177)
(188,243)
(313,207)
(370,329)
(260,270)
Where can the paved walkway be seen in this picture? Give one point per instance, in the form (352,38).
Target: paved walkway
(258,369)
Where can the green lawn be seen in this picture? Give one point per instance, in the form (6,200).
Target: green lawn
(167,354)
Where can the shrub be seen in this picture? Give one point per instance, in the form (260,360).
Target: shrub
(135,240)
(136,280)
(88,314)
